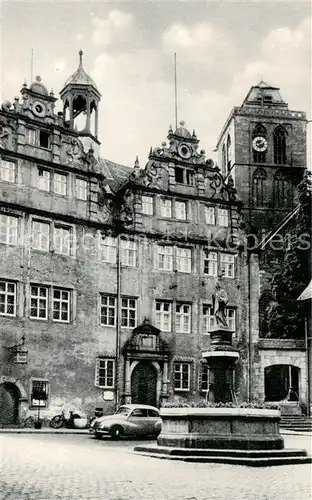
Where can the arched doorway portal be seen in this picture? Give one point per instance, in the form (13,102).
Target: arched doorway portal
(281,382)
(144,384)
(9,403)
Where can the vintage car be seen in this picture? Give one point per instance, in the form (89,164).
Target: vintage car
(129,420)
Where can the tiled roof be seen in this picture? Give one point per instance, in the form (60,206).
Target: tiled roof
(116,175)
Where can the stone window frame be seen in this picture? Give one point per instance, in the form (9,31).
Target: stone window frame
(47,301)
(147,204)
(6,294)
(182,315)
(7,167)
(9,222)
(81,188)
(107,360)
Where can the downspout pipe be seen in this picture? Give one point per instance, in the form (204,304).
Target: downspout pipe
(118,324)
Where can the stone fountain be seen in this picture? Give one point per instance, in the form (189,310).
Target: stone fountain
(236,435)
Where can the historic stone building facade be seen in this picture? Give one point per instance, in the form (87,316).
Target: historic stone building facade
(263,148)
(107,273)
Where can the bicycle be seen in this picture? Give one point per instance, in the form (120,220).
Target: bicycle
(61,421)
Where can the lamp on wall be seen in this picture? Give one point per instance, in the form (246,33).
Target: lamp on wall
(17,353)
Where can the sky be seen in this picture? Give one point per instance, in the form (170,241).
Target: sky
(222,47)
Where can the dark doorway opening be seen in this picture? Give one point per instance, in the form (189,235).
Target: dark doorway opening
(281,382)
(144,384)
(9,401)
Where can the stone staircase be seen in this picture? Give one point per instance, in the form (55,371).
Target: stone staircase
(296,423)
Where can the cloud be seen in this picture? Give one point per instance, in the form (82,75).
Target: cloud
(118,26)
(138,91)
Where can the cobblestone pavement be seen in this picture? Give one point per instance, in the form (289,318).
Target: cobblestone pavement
(78,467)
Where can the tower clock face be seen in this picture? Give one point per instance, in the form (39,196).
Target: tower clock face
(39,109)
(259,144)
(184,151)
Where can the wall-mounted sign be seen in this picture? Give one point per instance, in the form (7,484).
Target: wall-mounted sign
(108,395)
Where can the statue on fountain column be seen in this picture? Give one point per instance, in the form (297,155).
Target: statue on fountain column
(219,301)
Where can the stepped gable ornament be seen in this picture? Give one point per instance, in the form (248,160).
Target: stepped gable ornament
(126,208)
(7,136)
(71,150)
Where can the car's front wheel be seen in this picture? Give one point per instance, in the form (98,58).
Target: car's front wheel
(116,432)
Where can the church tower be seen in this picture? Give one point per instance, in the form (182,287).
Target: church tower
(81,99)
(263,147)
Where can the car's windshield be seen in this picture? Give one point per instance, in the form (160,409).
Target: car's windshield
(123,410)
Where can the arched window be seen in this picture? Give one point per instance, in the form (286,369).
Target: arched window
(258,187)
(228,153)
(223,159)
(279,140)
(259,131)
(283,190)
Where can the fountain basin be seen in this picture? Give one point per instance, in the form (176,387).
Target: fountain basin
(221,428)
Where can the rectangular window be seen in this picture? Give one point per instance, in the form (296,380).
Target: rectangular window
(81,189)
(223,217)
(8,229)
(204,382)
(190,178)
(228,265)
(183,318)
(210,263)
(38,302)
(108,310)
(128,313)
(7,298)
(61,305)
(62,240)
(209,321)
(231,318)
(164,258)
(182,373)
(109,249)
(31,136)
(60,184)
(7,171)
(184,260)
(180,210)
(44,139)
(44,179)
(147,205)
(163,316)
(128,252)
(178,174)
(105,373)
(41,236)
(39,393)
(166,208)
(210,217)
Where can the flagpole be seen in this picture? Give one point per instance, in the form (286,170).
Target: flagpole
(175,92)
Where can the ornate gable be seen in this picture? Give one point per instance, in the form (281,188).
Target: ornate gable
(146,338)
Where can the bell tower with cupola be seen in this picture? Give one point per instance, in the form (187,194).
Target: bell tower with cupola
(263,146)
(81,99)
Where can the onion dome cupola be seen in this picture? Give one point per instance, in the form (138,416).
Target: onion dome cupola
(81,101)
(264,95)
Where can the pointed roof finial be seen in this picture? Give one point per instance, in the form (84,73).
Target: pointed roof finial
(136,163)
(80,58)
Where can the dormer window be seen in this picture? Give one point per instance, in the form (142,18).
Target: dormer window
(44,139)
(184,176)
(31,136)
